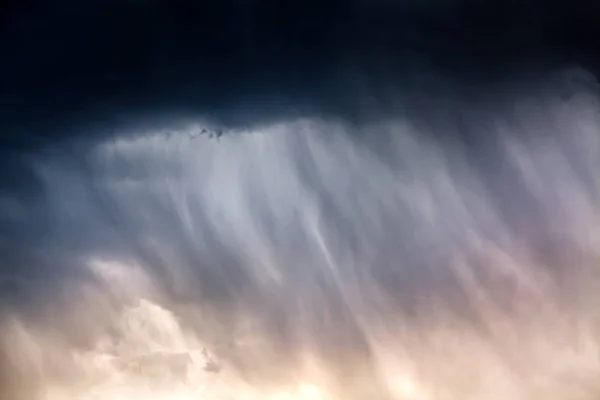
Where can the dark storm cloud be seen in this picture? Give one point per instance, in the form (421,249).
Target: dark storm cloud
(70,67)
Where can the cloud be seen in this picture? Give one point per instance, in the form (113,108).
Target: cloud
(431,162)
(78,68)
(303,239)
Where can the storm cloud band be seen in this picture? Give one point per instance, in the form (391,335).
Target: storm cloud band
(71,66)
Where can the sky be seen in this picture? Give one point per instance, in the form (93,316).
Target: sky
(375,167)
